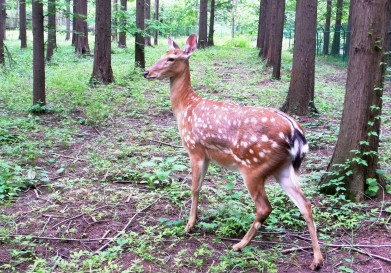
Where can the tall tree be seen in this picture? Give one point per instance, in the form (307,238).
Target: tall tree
(358,138)
(300,98)
(51,26)
(39,96)
(4,17)
(156,17)
(139,55)
(326,43)
(211,23)
(122,29)
(68,20)
(80,29)
(203,25)
(2,23)
(267,7)
(348,29)
(147,17)
(22,24)
(335,47)
(277,37)
(115,21)
(102,71)
(261,24)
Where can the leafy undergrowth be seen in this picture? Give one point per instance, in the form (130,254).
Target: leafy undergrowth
(101,184)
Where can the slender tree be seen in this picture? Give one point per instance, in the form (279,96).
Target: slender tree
(140,43)
(267,6)
(115,21)
(203,25)
(81,30)
(156,17)
(277,38)
(326,43)
(39,96)
(4,17)
(300,98)
(22,24)
(68,20)
(147,10)
(355,158)
(102,71)
(122,29)
(261,24)
(51,26)
(336,45)
(74,22)
(2,23)
(211,23)
(348,29)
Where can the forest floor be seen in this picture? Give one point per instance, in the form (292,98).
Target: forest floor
(105,183)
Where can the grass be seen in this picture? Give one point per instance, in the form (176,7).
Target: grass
(99,158)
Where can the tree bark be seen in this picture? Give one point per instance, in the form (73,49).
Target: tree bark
(22,24)
(2,23)
(266,26)
(277,41)
(140,43)
(122,30)
(81,43)
(102,71)
(335,47)
(211,23)
(300,98)
(348,30)
(115,21)
(74,21)
(156,17)
(326,43)
(39,96)
(51,26)
(358,138)
(203,25)
(4,13)
(261,24)
(68,21)
(147,10)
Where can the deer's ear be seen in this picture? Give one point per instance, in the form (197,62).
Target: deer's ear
(172,44)
(191,45)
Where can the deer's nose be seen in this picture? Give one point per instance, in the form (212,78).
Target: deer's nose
(145,74)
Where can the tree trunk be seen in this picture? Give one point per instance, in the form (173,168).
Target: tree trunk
(300,98)
(348,30)
(51,26)
(211,23)
(277,41)
(147,11)
(272,21)
(74,21)
(266,26)
(358,138)
(140,43)
(22,24)
(115,21)
(81,46)
(203,25)
(326,43)
(335,47)
(102,71)
(122,29)
(2,23)
(261,24)
(156,17)
(68,21)
(4,13)
(38,54)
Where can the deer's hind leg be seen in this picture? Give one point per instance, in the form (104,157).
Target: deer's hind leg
(256,187)
(289,182)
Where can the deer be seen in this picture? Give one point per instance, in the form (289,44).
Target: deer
(257,142)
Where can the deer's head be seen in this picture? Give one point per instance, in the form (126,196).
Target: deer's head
(174,61)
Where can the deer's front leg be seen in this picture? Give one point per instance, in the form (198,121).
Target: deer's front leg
(199,166)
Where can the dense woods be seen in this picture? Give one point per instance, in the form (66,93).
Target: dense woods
(92,169)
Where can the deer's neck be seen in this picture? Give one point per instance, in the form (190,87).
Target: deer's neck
(181,93)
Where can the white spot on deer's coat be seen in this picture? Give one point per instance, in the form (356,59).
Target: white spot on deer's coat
(264,119)
(255,159)
(253,138)
(251,151)
(261,154)
(281,134)
(244,144)
(265,138)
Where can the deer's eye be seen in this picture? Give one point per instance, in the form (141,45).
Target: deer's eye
(170,59)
